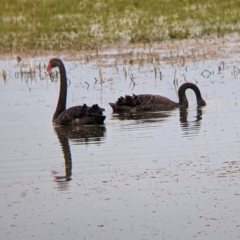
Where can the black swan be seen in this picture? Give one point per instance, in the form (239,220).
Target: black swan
(78,115)
(148,102)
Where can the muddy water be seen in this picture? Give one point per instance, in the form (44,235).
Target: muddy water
(164,175)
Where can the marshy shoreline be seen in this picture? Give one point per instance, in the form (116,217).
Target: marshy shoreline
(45,27)
(189,49)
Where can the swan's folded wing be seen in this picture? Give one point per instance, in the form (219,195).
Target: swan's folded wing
(95,110)
(77,111)
(143,102)
(81,115)
(131,101)
(67,116)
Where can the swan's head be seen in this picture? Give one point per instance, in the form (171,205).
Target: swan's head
(54,62)
(201,102)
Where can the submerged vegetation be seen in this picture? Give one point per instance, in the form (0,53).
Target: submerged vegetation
(87,24)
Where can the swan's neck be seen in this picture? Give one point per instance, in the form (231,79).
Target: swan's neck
(183,102)
(61,104)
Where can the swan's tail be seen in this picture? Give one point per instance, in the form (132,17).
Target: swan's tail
(99,119)
(113,105)
(126,103)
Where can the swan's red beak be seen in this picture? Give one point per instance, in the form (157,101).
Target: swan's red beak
(48,68)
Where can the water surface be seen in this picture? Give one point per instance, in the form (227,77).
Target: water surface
(164,175)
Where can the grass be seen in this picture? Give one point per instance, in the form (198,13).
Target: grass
(87,24)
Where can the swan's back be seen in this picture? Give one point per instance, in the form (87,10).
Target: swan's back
(143,102)
(81,115)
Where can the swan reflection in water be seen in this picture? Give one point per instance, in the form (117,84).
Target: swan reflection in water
(144,116)
(78,135)
(190,127)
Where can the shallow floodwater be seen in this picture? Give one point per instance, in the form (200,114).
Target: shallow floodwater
(164,175)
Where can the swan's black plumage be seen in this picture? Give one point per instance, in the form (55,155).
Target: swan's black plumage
(149,102)
(77,115)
